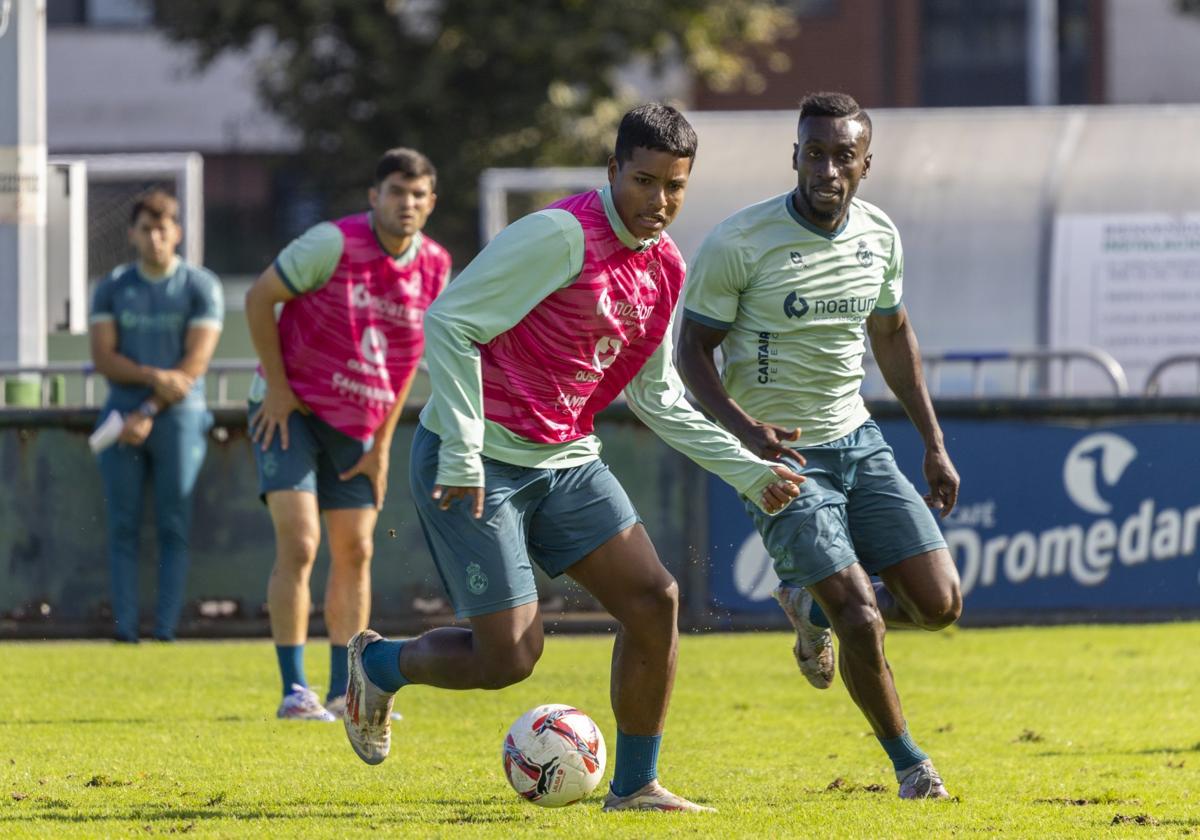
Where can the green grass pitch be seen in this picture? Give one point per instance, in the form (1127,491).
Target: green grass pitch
(1053,732)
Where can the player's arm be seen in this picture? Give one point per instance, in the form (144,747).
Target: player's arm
(530,259)
(894,343)
(104,341)
(304,266)
(279,401)
(656,396)
(698,367)
(199,342)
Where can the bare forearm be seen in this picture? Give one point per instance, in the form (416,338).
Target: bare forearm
(264,334)
(124,370)
(699,373)
(899,359)
(388,428)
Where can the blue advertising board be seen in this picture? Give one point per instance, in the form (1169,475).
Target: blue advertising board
(1092,517)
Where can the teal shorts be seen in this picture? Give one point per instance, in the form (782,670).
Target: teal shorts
(553,518)
(316,456)
(854,507)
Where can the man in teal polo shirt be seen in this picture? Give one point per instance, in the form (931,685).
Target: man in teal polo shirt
(154,326)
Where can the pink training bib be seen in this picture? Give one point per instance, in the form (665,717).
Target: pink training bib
(546,378)
(350,346)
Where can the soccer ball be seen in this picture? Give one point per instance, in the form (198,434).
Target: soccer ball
(554,755)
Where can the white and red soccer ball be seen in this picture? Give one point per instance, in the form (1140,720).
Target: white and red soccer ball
(554,755)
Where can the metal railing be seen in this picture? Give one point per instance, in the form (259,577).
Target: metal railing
(1154,379)
(1037,371)
(55,376)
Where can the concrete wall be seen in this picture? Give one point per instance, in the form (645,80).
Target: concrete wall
(1153,52)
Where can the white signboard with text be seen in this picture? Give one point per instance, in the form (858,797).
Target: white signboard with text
(1128,284)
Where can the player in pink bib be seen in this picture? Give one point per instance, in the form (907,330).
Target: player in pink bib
(563,311)
(334,374)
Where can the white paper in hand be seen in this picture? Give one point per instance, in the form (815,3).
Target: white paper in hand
(106,433)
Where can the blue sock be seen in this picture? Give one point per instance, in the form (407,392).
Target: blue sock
(381,662)
(291,666)
(902,751)
(817,615)
(637,762)
(338,676)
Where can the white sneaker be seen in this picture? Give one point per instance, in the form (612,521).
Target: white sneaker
(303,704)
(652,797)
(814,645)
(368,717)
(336,706)
(921,782)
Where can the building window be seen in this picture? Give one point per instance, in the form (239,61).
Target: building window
(976,54)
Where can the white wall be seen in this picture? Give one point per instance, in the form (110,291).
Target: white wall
(133,90)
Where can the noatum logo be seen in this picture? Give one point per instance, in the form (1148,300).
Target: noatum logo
(795,306)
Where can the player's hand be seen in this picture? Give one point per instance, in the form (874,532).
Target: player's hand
(446,495)
(374,465)
(136,429)
(767,441)
(170,385)
(272,417)
(777,496)
(943,481)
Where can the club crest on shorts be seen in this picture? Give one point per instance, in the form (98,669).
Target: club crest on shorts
(864,254)
(477,581)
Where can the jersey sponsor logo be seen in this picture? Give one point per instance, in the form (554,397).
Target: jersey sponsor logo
(795,306)
(797,259)
(169,321)
(361,298)
(374,345)
(765,352)
(836,309)
(864,254)
(371,393)
(624,311)
(607,349)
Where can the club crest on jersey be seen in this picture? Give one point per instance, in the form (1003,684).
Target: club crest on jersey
(864,254)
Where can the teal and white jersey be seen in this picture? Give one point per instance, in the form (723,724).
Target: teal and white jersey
(794,299)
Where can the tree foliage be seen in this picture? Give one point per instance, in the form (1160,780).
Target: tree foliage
(472,83)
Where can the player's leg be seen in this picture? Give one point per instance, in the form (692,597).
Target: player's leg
(177,446)
(287,480)
(348,588)
(588,515)
(350,518)
(486,571)
(897,538)
(123,472)
(885,523)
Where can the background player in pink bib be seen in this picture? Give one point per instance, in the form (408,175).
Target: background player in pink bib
(334,374)
(563,311)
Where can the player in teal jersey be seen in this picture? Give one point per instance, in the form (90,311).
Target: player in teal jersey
(785,288)
(154,326)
